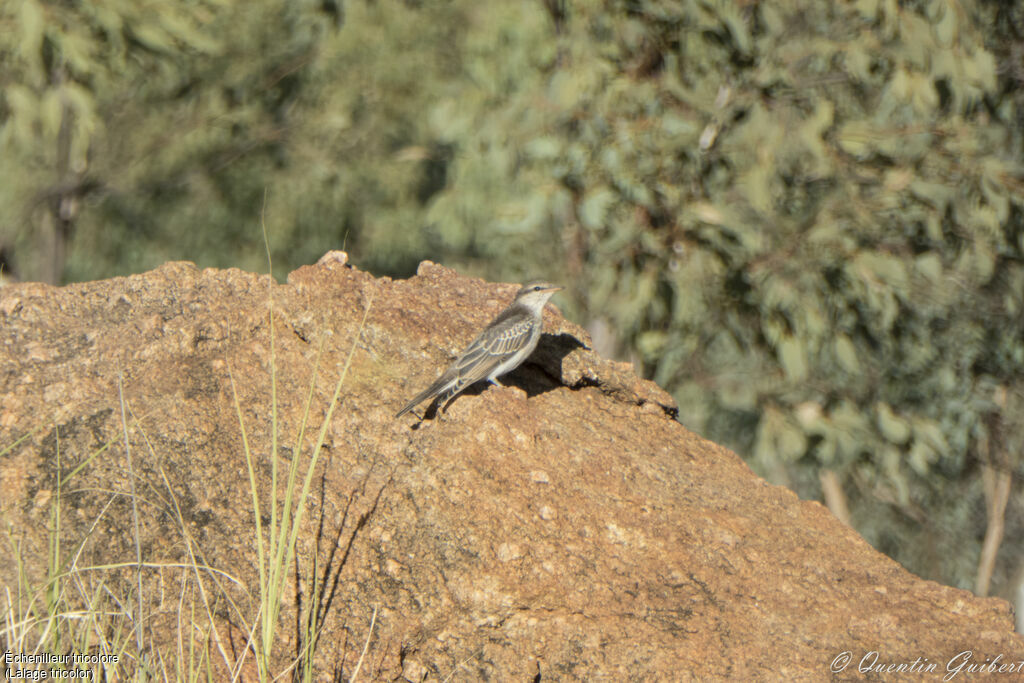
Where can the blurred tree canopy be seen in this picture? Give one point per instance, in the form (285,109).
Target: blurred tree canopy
(802,218)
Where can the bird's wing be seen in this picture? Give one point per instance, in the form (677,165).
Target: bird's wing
(502,339)
(493,347)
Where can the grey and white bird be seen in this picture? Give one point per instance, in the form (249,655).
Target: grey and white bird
(503,345)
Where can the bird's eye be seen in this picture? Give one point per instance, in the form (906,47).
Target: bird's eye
(537,288)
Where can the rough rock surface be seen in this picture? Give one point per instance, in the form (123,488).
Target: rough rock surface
(563,527)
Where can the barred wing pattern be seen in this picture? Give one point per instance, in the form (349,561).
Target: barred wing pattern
(496,346)
(514,333)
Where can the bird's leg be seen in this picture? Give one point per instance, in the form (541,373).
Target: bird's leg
(495,382)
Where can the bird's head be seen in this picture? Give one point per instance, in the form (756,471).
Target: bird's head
(535,294)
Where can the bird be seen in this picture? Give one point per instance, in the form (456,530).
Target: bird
(503,345)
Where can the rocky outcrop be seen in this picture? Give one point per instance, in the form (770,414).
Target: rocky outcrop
(565,526)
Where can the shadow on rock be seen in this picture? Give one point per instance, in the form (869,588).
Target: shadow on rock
(547,358)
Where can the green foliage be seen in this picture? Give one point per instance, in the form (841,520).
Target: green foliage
(182,114)
(66,70)
(803,218)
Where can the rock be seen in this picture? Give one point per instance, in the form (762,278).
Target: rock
(563,527)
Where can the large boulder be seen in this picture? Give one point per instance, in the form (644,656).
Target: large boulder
(564,526)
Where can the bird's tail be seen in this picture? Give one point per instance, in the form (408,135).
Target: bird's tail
(443,384)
